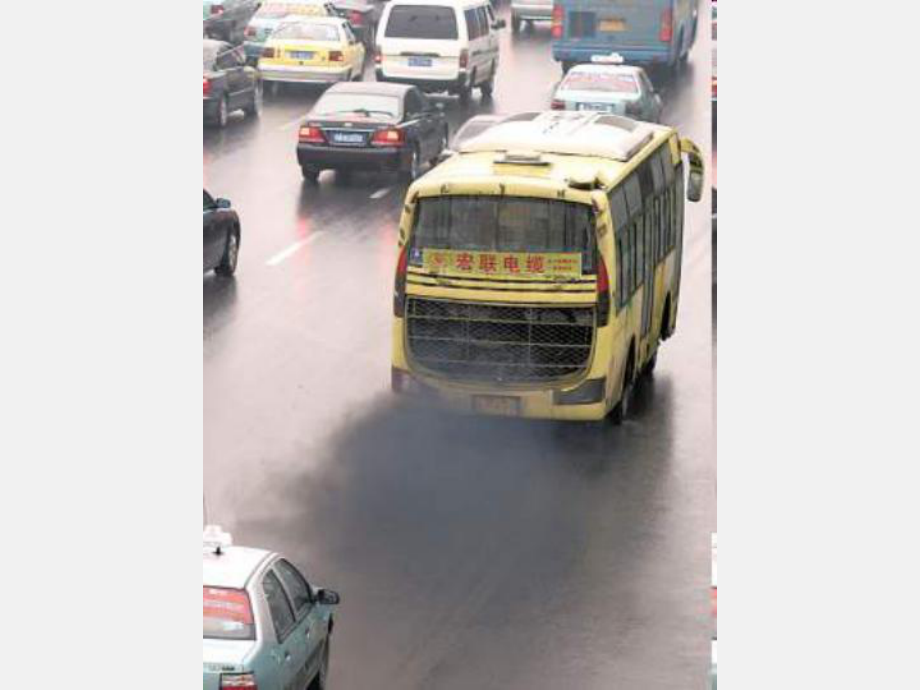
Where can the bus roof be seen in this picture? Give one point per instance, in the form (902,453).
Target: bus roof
(557,146)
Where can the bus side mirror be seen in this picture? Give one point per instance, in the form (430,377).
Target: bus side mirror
(695,183)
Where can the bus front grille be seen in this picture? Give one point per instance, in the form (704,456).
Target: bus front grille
(499,343)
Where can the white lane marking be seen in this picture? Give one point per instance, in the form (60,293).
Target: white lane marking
(288,252)
(380,193)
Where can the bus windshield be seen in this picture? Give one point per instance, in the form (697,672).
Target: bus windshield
(505,224)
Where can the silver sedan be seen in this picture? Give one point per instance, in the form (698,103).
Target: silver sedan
(619,89)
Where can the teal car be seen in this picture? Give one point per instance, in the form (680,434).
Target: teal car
(265,625)
(270,15)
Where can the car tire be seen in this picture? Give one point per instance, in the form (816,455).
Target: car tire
(227,265)
(415,163)
(309,174)
(488,87)
(322,676)
(222,114)
(466,92)
(443,145)
(254,109)
(621,410)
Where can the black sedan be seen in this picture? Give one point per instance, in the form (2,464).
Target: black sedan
(229,83)
(221,236)
(371,126)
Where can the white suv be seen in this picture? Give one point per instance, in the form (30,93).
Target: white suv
(439,45)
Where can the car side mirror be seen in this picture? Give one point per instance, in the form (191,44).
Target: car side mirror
(499,24)
(327,597)
(221,203)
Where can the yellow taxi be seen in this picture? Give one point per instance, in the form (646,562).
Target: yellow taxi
(312,50)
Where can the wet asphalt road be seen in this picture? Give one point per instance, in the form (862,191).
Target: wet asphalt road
(470,553)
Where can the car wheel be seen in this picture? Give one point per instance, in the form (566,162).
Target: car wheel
(309,174)
(227,266)
(443,145)
(621,411)
(466,92)
(322,676)
(486,88)
(254,109)
(412,172)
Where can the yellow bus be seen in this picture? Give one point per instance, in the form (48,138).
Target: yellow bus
(539,266)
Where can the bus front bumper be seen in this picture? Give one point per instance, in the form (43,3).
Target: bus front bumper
(585,401)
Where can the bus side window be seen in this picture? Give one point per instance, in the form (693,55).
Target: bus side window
(633,231)
(621,257)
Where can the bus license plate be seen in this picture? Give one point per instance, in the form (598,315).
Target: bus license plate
(613,25)
(497,405)
(419,62)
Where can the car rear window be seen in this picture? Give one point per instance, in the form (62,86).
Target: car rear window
(210,55)
(280,10)
(505,224)
(368,105)
(422,21)
(306,31)
(601,81)
(227,614)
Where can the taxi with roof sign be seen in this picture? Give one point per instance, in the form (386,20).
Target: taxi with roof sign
(312,50)
(270,15)
(265,626)
(607,85)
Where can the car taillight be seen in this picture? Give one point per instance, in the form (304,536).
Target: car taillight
(666,32)
(399,288)
(389,136)
(336,56)
(217,9)
(557,104)
(356,18)
(603,293)
(558,14)
(238,681)
(378,55)
(207,86)
(464,58)
(268,53)
(309,134)
(249,32)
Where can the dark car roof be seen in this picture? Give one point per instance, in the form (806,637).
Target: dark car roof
(382,88)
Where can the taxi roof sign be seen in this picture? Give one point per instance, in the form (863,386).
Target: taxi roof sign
(611,59)
(215,539)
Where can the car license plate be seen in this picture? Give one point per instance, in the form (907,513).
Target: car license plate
(347,138)
(613,25)
(419,62)
(497,405)
(301,55)
(601,107)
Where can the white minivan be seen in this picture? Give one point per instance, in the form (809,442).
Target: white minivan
(439,45)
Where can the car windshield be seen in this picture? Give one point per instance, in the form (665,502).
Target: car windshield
(227,614)
(363,103)
(306,31)
(472,129)
(610,82)
(210,55)
(279,10)
(505,224)
(422,21)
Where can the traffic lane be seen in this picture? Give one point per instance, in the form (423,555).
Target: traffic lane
(297,416)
